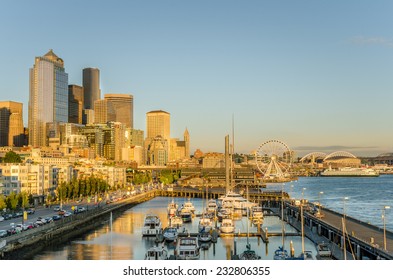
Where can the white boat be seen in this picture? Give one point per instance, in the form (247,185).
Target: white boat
(211,206)
(227,226)
(170,234)
(235,201)
(156,253)
(205,224)
(175,221)
(172,208)
(189,206)
(186,215)
(152,225)
(257,215)
(187,248)
(324,250)
(204,236)
(350,172)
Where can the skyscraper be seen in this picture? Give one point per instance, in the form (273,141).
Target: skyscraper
(48,102)
(104,111)
(91,87)
(158,137)
(158,124)
(11,124)
(75,104)
(124,107)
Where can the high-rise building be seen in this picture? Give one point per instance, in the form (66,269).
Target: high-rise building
(124,107)
(91,87)
(75,104)
(48,100)
(158,124)
(11,124)
(104,111)
(157,142)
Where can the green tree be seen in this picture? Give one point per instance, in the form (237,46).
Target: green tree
(23,199)
(12,157)
(2,202)
(12,201)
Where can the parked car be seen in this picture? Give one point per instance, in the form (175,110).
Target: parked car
(30,211)
(61,212)
(22,227)
(56,208)
(3,233)
(67,214)
(1,218)
(56,217)
(7,216)
(48,220)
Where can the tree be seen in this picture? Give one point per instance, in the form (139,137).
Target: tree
(12,157)
(12,201)
(2,203)
(23,199)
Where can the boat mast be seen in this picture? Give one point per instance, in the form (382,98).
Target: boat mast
(282,217)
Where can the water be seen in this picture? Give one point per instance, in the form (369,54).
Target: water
(126,241)
(367,197)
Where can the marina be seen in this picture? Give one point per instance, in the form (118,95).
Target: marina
(125,238)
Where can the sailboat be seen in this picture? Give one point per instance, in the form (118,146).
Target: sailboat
(248,254)
(281,253)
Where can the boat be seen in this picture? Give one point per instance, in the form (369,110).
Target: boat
(227,226)
(350,172)
(323,250)
(248,254)
(204,236)
(224,213)
(170,234)
(211,206)
(281,254)
(189,206)
(175,221)
(257,215)
(205,224)
(152,225)
(235,201)
(187,248)
(156,253)
(172,208)
(186,215)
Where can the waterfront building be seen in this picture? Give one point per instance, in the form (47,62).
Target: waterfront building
(75,104)
(104,111)
(213,160)
(35,179)
(91,87)
(11,124)
(114,176)
(48,101)
(123,105)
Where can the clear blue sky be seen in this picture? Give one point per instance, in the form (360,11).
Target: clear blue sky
(314,74)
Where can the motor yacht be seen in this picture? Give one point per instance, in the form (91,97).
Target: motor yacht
(187,248)
(156,253)
(227,226)
(152,225)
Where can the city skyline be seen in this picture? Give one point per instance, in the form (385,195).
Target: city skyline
(314,75)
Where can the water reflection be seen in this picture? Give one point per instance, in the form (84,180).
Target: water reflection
(125,242)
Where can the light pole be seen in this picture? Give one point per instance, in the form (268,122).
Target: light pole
(319,203)
(303,189)
(343,222)
(384,225)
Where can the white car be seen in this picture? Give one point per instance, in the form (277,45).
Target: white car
(1,218)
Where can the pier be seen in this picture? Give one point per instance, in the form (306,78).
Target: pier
(362,240)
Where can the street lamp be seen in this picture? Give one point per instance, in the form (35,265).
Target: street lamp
(344,246)
(384,225)
(319,203)
(303,189)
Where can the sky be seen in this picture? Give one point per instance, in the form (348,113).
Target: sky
(317,75)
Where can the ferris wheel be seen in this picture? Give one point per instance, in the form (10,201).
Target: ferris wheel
(273,159)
